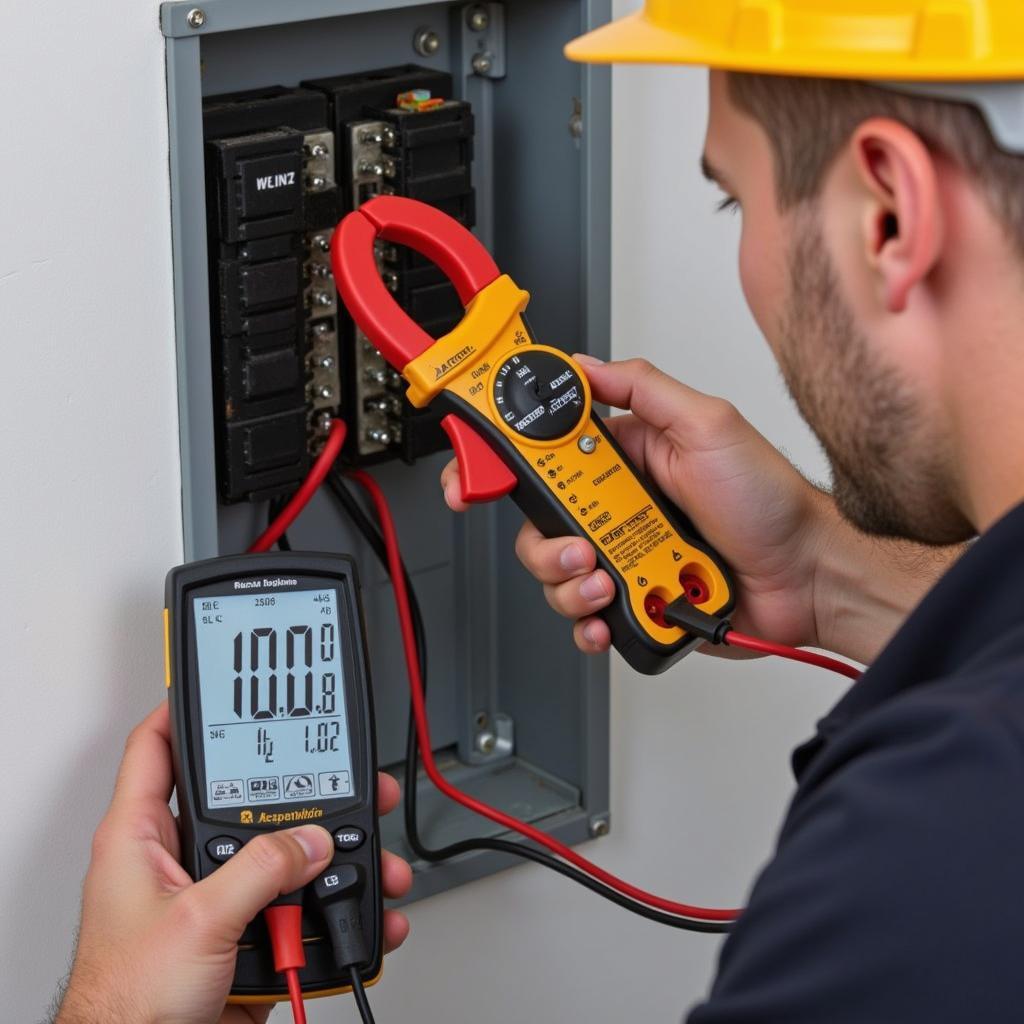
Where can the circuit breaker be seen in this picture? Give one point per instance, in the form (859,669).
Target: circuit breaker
(283,118)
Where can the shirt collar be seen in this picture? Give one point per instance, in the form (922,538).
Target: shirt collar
(976,602)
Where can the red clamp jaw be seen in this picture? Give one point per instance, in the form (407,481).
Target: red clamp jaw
(394,334)
(431,233)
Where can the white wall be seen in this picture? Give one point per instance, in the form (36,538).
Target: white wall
(90,522)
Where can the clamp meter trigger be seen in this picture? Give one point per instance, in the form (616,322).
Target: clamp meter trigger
(520,419)
(272,727)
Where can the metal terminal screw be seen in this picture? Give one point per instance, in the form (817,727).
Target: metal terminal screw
(389,137)
(324,421)
(317,182)
(426,42)
(389,167)
(587,444)
(376,376)
(320,270)
(322,299)
(365,167)
(478,19)
(482,63)
(599,827)
(391,280)
(326,362)
(325,392)
(318,151)
(379,436)
(486,742)
(196,18)
(321,242)
(321,327)
(370,136)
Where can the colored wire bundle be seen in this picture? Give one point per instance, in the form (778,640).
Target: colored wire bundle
(704,915)
(375,542)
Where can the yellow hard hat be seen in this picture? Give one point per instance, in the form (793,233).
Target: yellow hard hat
(908,40)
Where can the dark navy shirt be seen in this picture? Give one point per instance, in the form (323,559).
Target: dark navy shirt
(896,893)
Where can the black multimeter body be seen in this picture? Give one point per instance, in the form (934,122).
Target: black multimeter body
(272,727)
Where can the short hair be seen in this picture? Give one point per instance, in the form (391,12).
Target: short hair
(809,120)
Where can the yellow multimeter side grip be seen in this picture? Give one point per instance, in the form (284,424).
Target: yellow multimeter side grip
(283,997)
(167,648)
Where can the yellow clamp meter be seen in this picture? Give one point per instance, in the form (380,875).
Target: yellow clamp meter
(520,418)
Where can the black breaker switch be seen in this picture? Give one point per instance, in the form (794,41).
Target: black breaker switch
(259,184)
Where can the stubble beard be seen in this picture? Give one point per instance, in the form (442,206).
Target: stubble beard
(888,475)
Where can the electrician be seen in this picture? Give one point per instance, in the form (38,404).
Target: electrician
(876,151)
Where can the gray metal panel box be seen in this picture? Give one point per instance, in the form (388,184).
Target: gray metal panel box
(499,659)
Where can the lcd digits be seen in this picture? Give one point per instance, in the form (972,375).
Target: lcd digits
(272,698)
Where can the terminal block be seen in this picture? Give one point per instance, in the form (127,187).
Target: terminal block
(425,154)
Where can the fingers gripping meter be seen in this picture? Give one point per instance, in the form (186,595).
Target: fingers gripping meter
(272,727)
(520,419)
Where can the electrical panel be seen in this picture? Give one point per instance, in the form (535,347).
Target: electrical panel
(282,119)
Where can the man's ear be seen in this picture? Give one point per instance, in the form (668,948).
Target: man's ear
(903,224)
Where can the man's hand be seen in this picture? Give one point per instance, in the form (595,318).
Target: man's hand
(804,577)
(156,946)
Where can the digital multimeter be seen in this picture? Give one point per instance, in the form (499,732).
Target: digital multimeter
(520,419)
(272,727)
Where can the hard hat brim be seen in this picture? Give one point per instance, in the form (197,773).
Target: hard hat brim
(635,39)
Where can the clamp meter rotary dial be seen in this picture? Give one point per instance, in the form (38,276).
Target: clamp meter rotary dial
(539,394)
(520,420)
(272,727)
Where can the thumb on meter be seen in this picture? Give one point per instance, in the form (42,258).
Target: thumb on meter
(692,420)
(268,866)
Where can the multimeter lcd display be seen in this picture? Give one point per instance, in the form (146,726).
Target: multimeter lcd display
(272,698)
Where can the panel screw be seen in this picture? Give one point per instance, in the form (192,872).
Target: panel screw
(478,19)
(599,827)
(482,63)
(196,18)
(486,742)
(426,42)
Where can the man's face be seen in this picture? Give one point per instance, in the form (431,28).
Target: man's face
(888,463)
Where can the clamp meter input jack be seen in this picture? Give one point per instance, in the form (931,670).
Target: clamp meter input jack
(271,727)
(520,419)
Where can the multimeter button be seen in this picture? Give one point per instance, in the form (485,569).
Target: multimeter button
(341,880)
(349,838)
(222,848)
